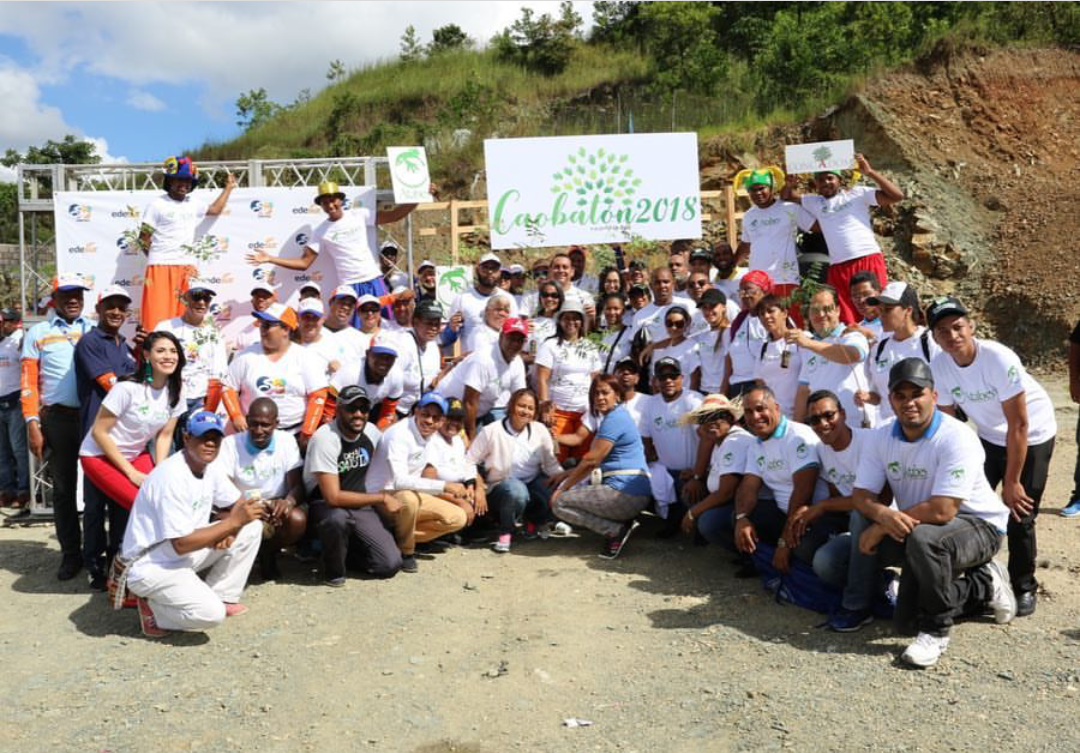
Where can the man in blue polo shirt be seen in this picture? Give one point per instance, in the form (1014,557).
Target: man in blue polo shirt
(947,523)
(101,357)
(50,404)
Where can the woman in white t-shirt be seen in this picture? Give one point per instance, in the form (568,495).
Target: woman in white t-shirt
(549,299)
(718,418)
(676,345)
(518,457)
(617,335)
(445,459)
(142,407)
(565,367)
(779,363)
(744,338)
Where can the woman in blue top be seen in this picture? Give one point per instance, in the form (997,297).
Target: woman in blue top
(608,504)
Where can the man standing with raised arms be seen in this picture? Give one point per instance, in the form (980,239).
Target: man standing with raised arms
(166,237)
(344,235)
(844,217)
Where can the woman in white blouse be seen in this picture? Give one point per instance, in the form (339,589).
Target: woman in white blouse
(518,456)
(549,297)
(565,367)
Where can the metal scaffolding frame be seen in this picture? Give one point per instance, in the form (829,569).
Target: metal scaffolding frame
(37,184)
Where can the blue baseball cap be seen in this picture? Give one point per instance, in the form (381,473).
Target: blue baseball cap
(203,421)
(433,398)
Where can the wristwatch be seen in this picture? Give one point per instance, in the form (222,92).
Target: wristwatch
(781,544)
(690,514)
(741,515)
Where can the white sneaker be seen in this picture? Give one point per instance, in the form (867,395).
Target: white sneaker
(562,529)
(926,650)
(1003,600)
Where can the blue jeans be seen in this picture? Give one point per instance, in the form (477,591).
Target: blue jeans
(512,500)
(14,456)
(839,563)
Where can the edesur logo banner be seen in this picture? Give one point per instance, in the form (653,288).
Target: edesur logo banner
(592,189)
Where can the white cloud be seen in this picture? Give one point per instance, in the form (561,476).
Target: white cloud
(234,47)
(142,100)
(7,174)
(26,121)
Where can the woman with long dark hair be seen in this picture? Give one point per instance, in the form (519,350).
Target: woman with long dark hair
(141,407)
(565,366)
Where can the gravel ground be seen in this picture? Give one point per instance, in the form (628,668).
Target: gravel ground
(661,649)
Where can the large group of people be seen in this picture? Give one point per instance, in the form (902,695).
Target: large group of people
(799,424)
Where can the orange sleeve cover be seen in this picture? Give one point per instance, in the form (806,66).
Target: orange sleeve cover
(31,397)
(313,415)
(232,404)
(106,381)
(213,394)
(388,411)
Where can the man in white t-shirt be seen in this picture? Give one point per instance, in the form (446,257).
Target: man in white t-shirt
(397,467)
(728,273)
(344,236)
(769,230)
(485,380)
(205,357)
(263,294)
(580,278)
(670,446)
(649,320)
(468,307)
(167,237)
(946,524)
(267,460)
(844,218)
(377,373)
(1014,419)
(785,460)
(562,271)
(832,359)
(278,369)
(170,539)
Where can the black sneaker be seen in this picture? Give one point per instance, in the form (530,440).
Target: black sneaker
(408,563)
(97,581)
(614,545)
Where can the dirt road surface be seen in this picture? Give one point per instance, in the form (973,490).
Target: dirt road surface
(662,650)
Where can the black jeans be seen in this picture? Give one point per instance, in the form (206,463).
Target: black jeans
(1021,533)
(377,553)
(60,427)
(934,557)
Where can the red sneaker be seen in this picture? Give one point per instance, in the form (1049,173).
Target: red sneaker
(234,609)
(147,621)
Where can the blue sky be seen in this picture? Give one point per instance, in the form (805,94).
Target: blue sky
(145,80)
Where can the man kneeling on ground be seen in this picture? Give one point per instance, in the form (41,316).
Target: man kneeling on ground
(947,525)
(170,538)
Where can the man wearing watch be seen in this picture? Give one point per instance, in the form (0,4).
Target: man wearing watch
(266,459)
(785,460)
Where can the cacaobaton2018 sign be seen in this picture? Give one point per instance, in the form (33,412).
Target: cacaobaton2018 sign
(564,190)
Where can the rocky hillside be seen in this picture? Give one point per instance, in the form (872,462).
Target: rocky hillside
(984,144)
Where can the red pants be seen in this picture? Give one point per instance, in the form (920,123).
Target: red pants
(840,278)
(111,482)
(164,285)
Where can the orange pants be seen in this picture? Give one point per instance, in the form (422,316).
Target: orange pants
(568,422)
(164,285)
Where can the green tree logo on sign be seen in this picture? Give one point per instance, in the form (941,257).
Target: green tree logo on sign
(599,173)
(822,154)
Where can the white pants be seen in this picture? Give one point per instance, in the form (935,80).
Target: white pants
(181,600)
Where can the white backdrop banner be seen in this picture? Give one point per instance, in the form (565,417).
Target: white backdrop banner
(96,233)
(564,190)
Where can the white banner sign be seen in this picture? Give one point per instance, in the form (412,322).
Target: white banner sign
(592,189)
(409,174)
(823,155)
(96,235)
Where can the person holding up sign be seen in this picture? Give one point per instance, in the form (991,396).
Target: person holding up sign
(844,217)
(344,235)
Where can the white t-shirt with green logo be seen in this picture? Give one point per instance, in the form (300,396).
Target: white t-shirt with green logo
(729,456)
(487,372)
(844,379)
(883,357)
(771,235)
(980,388)
(141,412)
(676,446)
(947,461)
(572,365)
(788,450)
(839,467)
(264,470)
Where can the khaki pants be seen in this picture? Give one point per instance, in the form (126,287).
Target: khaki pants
(424,517)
